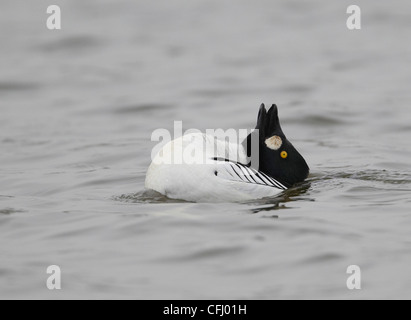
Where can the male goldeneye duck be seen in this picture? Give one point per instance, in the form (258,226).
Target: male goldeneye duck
(208,175)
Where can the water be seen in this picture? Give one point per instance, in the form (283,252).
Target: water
(78,107)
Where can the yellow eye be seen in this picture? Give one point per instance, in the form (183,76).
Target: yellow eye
(284,154)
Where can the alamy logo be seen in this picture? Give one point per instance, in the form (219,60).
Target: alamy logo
(54,20)
(354,281)
(354,20)
(54,280)
(194,147)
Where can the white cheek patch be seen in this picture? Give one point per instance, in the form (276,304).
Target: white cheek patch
(274,143)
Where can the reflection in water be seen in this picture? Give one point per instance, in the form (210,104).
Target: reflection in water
(268,204)
(293,194)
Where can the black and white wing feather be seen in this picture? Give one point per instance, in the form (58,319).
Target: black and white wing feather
(250,175)
(239,173)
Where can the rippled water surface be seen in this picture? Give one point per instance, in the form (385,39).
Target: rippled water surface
(78,107)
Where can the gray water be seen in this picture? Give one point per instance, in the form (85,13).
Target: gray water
(78,107)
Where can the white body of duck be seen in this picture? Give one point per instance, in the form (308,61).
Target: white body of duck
(213,181)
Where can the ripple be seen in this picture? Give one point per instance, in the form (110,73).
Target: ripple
(384,176)
(404,128)
(72,43)
(317,120)
(206,254)
(142,108)
(376,196)
(323,258)
(146,196)
(367,188)
(4,196)
(8,211)
(10,86)
(297,89)
(225,92)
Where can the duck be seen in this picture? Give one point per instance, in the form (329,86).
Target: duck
(263,165)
